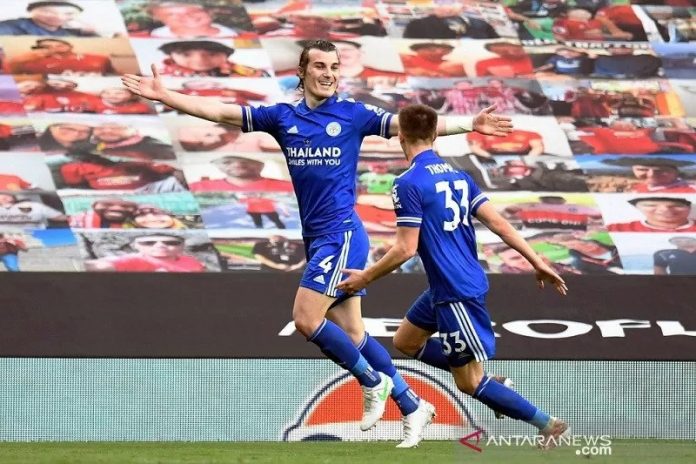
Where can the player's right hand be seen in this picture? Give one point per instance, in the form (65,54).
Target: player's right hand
(149,87)
(356,281)
(544,273)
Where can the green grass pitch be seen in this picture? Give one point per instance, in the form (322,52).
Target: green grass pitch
(623,451)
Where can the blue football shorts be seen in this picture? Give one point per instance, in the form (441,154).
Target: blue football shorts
(464,327)
(328,254)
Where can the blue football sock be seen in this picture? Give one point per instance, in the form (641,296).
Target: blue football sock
(338,347)
(379,358)
(432,355)
(506,400)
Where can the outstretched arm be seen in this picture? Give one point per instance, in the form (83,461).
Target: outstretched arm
(203,107)
(498,225)
(485,122)
(403,250)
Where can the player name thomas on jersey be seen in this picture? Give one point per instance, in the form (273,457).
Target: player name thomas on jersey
(321,147)
(440,200)
(440,168)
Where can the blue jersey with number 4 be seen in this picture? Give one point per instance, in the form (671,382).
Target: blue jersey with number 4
(321,147)
(440,200)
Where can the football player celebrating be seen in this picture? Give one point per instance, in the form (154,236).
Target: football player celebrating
(320,136)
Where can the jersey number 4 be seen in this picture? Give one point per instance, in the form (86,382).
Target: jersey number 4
(461,210)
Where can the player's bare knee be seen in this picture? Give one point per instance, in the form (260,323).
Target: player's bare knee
(406,345)
(305,323)
(466,385)
(469,378)
(356,334)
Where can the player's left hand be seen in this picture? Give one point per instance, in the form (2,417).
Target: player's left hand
(492,124)
(356,281)
(544,273)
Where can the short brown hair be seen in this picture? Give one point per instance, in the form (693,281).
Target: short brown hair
(418,122)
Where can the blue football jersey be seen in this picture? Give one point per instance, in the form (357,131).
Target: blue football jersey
(321,147)
(441,200)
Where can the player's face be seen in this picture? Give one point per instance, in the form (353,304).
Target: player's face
(200,60)
(240,168)
(116,211)
(59,84)
(55,46)
(6,199)
(350,55)
(205,138)
(515,260)
(656,175)
(446,11)
(433,53)
(183,17)
(516,170)
(321,74)
(69,133)
(621,51)
(664,211)
(112,132)
(116,95)
(53,16)
(514,51)
(579,15)
(29,87)
(565,53)
(153,219)
(159,247)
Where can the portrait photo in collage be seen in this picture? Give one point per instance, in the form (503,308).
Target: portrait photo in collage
(598,174)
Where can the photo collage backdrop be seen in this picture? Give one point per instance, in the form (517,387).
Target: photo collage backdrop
(599,173)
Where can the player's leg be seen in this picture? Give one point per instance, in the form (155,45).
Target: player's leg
(11,262)
(258,220)
(470,341)
(418,413)
(327,255)
(348,315)
(414,338)
(308,313)
(275,219)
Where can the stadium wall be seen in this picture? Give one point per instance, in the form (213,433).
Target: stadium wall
(238,399)
(183,357)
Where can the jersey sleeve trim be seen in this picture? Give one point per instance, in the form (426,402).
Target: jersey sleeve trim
(248,122)
(403,222)
(409,219)
(478,201)
(384,125)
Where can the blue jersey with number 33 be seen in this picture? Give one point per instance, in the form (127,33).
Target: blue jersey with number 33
(440,200)
(321,147)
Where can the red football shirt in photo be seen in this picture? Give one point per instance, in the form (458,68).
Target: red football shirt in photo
(140,263)
(259,205)
(517,141)
(504,67)
(633,142)
(77,63)
(571,29)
